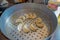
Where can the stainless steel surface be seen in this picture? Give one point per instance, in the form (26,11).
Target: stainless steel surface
(42,11)
(38,35)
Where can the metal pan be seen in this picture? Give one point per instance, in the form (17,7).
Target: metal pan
(10,31)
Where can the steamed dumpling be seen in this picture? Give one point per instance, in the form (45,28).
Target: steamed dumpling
(22,17)
(38,20)
(39,23)
(30,15)
(33,27)
(25,28)
(19,27)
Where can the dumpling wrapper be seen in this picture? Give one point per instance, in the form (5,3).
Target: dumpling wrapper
(19,27)
(25,28)
(33,27)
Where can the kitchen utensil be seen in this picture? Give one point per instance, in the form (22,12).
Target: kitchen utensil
(10,30)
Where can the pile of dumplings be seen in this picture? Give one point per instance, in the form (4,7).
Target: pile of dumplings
(29,22)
